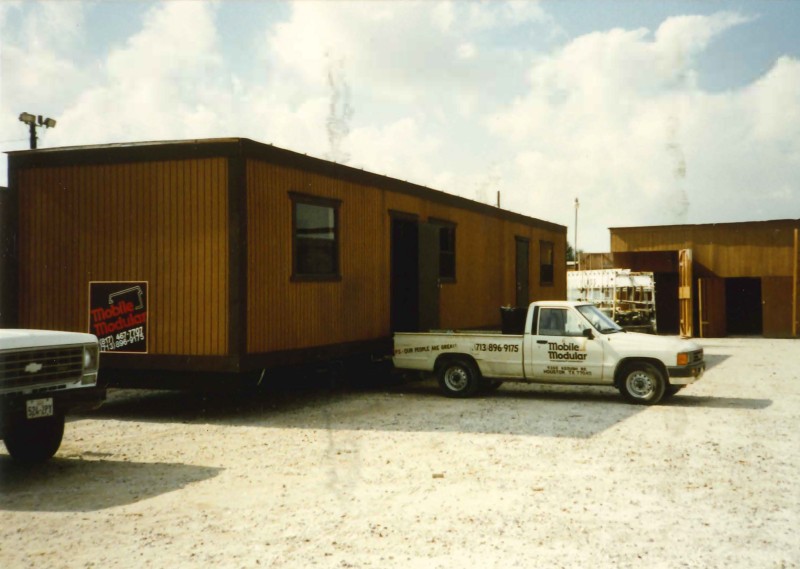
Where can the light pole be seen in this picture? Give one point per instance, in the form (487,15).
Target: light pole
(577,257)
(33,121)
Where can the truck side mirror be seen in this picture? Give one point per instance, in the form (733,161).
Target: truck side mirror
(587,333)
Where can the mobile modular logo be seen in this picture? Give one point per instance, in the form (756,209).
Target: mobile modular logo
(118,315)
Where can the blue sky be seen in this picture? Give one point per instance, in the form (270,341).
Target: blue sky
(648,112)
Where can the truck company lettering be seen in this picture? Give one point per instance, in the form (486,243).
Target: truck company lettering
(423,349)
(565,351)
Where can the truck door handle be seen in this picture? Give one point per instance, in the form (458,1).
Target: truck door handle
(541,341)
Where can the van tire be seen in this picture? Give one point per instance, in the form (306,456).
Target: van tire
(458,377)
(34,440)
(642,384)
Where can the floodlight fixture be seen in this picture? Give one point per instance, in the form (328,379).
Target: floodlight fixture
(33,121)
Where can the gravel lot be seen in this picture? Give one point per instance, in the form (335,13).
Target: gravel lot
(526,477)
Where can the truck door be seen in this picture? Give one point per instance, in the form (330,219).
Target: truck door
(558,352)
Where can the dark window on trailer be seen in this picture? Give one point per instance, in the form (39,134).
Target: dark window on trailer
(447,250)
(316,238)
(546,262)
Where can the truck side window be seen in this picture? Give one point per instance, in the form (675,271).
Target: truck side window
(559,322)
(551,322)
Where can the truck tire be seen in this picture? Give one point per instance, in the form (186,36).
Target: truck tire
(34,440)
(458,378)
(642,383)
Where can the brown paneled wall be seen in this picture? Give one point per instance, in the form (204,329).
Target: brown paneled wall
(285,315)
(163,222)
(751,249)
(762,249)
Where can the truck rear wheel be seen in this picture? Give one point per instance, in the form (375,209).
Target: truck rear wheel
(643,384)
(34,440)
(458,378)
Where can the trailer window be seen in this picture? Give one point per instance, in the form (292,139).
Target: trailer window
(316,238)
(546,263)
(447,253)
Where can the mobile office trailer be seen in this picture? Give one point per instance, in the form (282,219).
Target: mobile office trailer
(227,256)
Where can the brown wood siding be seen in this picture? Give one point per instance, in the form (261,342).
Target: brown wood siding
(776,296)
(285,315)
(725,250)
(161,222)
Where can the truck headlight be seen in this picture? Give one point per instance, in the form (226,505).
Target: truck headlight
(91,358)
(683,359)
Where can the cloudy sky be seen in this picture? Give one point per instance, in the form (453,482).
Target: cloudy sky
(647,112)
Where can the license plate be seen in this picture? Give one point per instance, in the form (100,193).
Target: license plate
(36,408)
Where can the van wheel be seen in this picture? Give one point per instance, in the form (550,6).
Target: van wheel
(458,378)
(643,384)
(34,440)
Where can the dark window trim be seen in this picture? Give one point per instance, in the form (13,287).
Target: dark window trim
(404,216)
(332,203)
(542,281)
(451,225)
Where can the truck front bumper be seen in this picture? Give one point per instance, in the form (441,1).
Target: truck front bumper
(684,375)
(65,401)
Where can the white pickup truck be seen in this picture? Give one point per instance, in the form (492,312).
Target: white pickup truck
(43,376)
(562,343)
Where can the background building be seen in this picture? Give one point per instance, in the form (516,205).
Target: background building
(719,279)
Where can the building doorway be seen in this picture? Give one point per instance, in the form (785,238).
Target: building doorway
(743,306)
(414,286)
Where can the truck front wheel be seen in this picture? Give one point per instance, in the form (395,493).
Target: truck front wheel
(643,384)
(458,378)
(34,440)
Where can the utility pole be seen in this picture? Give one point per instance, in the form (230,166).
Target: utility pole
(33,121)
(577,257)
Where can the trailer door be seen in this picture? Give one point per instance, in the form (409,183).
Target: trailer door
(428,276)
(522,271)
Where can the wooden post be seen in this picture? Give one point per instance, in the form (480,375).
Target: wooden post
(794,286)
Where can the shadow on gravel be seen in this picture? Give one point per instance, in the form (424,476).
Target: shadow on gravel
(713,360)
(411,407)
(717,402)
(78,485)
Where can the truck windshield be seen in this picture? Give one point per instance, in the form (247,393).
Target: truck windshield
(600,321)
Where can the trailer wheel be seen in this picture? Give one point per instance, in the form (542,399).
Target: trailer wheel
(643,384)
(458,378)
(34,440)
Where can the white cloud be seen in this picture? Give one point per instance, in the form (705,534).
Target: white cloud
(617,119)
(167,81)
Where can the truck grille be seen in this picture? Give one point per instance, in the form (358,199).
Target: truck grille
(31,368)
